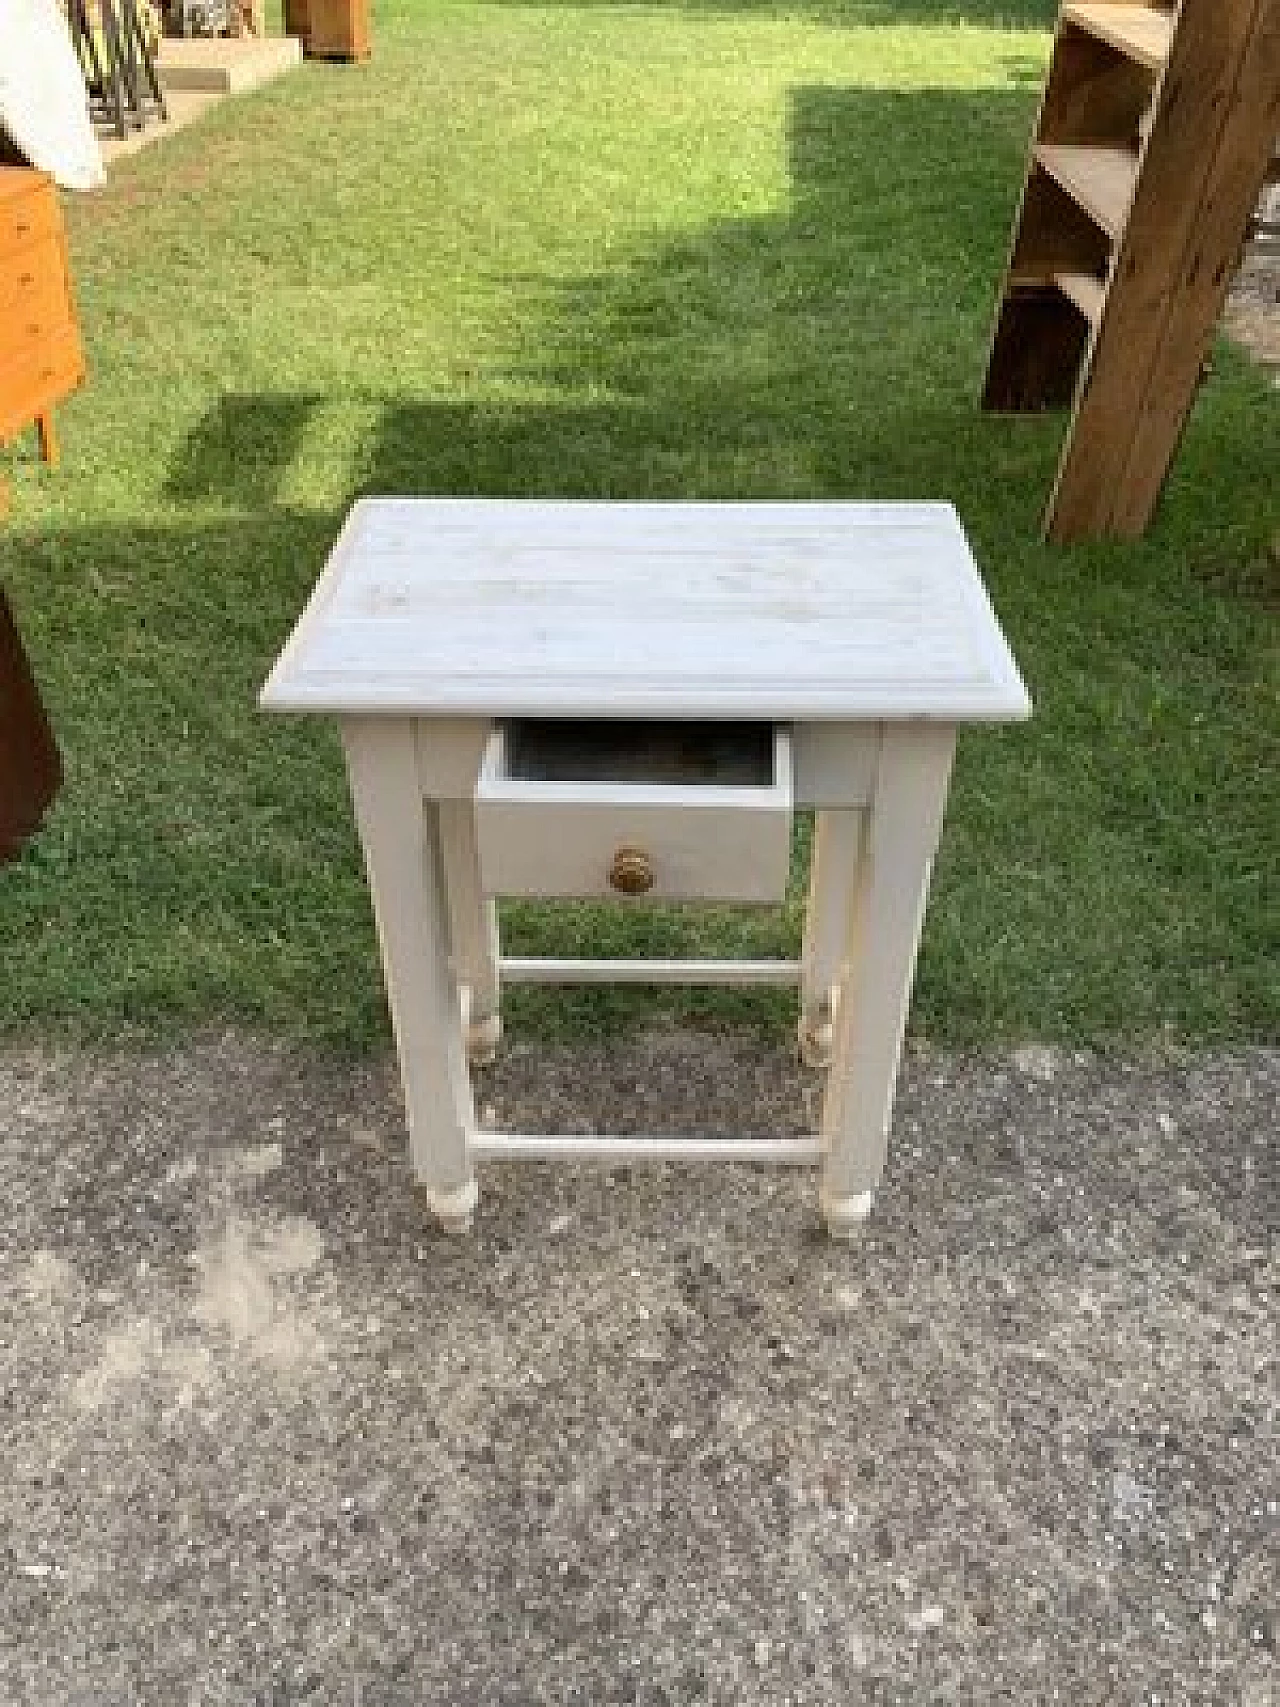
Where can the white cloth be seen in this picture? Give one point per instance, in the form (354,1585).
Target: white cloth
(44,104)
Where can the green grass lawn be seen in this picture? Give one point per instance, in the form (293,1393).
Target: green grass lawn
(598,250)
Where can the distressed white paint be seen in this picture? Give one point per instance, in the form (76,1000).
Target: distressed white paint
(703,841)
(833,872)
(601,1147)
(884,918)
(401,848)
(738,972)
(834,764)
(492,607)
(449,753)
(863,628)
(473,926)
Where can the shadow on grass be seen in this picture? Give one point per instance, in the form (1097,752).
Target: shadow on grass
(1100,871)
(833,349)
(242,450)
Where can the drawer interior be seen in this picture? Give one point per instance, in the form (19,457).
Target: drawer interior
(641,751)
(603,807)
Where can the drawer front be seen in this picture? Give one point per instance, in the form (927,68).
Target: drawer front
(33,299)
(27,218)
(614,840)
(36,382)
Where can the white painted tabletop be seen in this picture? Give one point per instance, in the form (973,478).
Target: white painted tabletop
(520,607)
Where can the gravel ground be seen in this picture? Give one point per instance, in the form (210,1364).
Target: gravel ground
(266,1436)
(1253,308)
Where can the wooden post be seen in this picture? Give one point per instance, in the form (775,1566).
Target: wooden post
(884,925)
(1150,151)
(1201,169)
(1208,265)
(402,856)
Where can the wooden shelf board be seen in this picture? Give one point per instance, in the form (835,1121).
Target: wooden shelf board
(1087,292)
(1141,32)
(1098,177)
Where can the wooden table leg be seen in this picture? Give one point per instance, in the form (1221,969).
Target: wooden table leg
(402,856)
(473,921)
(48,436)
(833,871)
(884,924)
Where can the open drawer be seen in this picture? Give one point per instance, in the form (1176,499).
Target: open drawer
(672,811)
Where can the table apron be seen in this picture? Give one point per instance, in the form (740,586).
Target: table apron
(834,764)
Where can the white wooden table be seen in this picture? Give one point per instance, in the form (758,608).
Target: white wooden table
(493,664)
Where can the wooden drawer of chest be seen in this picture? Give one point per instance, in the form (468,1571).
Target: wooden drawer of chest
(33,383)
(672,812)
(34,303)
(26,218)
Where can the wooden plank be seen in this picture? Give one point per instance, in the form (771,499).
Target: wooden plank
(615,1150)
(1055,235)
(1094,94)
(1208,266)
(530,608)
(1141,32)
(1159,256)
(224,65)
(521,969)
(1037,347)
(1086,291)
(1099,177)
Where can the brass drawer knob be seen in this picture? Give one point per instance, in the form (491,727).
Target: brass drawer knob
(631,872)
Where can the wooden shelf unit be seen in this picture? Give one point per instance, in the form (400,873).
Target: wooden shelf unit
(1151,148)
(1085,291)
(1143,33)
(1098,178)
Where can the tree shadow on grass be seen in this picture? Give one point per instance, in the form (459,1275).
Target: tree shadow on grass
(833,349)
(242,449)
(779,355)
(1099,871)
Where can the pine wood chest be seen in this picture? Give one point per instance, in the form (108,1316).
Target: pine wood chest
(41,358)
